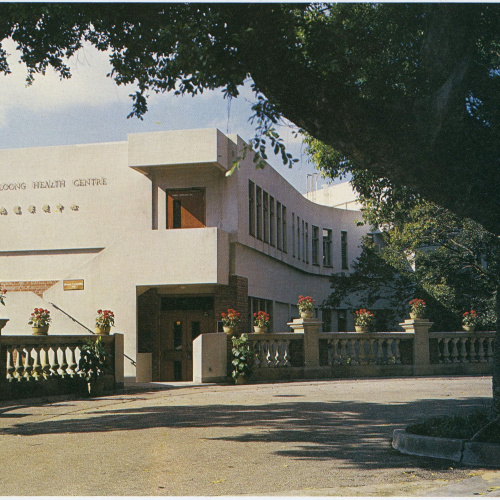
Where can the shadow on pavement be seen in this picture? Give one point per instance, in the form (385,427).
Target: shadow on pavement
(354,431)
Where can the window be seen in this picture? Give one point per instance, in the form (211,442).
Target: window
(315,245)
(326,315)
(303,241)
(251,208)
(298,237)
(293,234)
(278,225)
(307,243)
(271,221)
(258,195)
(327,247)
(341,320)
(265,205)
(343,249)
(283,231)
(255,305)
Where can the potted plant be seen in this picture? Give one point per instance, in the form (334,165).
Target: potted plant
(260,322)
(306,306)
(242,362)
(92,365)
(104,321)
(470,320)
(230,321)
(3,321)
(417,308)
(40,321)
(363,319)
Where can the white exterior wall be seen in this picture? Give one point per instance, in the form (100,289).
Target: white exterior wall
(109,242)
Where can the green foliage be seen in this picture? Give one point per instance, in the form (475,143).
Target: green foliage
(243,357)
(406,92)
(93,360)
(463,426)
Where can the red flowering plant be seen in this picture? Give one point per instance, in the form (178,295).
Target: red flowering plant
(417,306)
(470,318)
(39,318)
(2,296)
(261,319)
(363,317)
(104,319)
(305,303)
(231,319)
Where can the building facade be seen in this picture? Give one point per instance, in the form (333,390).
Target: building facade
(153,229)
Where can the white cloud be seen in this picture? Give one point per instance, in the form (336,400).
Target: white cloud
(88,85)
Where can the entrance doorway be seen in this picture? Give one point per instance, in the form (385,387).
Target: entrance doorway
(180,324)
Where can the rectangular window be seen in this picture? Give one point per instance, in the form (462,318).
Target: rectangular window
(303,241)
(283,231)
(307,243)
(293,234)
(315,245)
(258,195)
(327,247)
(255,305)
(271,221)
(343,249)
(278,225)
(298,237)
(251,208)
(265,205)
(341,320)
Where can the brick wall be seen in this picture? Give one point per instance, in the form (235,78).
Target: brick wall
(38,287)
(233,296)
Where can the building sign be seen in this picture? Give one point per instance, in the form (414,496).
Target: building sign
(53,183)
(72,285)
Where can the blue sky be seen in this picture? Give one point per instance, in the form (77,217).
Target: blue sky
(91,108)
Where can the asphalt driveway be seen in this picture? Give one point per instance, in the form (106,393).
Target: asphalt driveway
(328,438)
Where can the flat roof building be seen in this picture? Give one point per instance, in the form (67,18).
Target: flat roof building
(153,229)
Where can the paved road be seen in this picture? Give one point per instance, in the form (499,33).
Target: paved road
(329,438)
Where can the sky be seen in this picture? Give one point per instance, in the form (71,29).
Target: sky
(90,107)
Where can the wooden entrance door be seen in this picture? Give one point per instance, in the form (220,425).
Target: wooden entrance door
(178,329)
(185,208)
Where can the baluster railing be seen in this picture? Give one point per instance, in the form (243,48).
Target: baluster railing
(30,360)
(464,348)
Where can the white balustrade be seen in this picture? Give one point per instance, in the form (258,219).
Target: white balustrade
(272,350)
(363,348)
(33,359)
(460,347)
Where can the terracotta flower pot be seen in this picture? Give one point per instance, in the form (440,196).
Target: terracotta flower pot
(260,329)
(40,330)
(102,331)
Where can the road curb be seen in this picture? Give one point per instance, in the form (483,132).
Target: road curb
(457,450)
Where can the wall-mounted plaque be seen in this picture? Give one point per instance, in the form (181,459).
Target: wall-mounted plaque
(73,284)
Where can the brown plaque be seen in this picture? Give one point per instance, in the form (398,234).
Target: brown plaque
(73,284)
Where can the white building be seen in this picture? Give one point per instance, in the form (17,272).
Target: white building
(154,230)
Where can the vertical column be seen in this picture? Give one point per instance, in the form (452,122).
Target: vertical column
(421,354)
(310,329)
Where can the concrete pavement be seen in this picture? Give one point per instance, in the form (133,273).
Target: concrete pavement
(328,438)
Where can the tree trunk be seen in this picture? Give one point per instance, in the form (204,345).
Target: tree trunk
(495,407)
